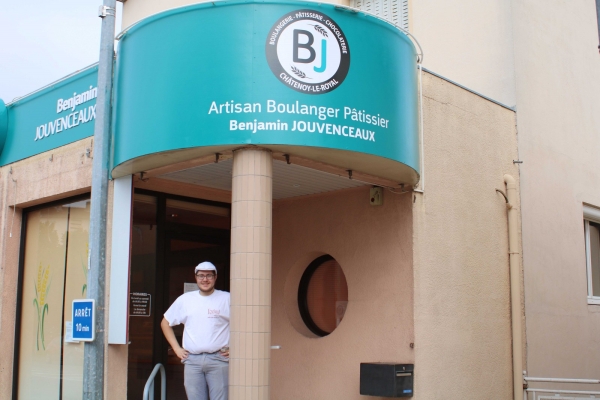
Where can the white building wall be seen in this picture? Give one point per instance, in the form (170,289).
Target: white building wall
(542,57)
(469,42)
(558,120)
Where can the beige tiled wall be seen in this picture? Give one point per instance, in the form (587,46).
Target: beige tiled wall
(251,274)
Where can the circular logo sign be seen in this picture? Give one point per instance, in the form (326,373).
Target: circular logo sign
(307,51)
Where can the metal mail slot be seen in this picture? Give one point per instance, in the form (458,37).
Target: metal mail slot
(386,380)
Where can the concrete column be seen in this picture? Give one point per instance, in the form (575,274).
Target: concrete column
(251,230)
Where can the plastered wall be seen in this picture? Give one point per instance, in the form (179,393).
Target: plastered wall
(373,246)
(461,275)
(558,98)
(541,56)
(469,42)
(9,259)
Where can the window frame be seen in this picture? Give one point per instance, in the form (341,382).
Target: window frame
(303,291)
(598,20)
(590,214)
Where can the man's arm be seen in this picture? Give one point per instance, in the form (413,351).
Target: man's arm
(170,336)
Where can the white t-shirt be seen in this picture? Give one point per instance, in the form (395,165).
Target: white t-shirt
(206,320)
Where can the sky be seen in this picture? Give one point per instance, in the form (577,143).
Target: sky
(45,40)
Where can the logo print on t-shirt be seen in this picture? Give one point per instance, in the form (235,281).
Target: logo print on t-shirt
(214,313)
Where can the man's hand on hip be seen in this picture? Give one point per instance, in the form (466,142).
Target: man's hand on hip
(181,353)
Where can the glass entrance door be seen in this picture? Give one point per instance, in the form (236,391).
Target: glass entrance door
(142,298)
(185,233)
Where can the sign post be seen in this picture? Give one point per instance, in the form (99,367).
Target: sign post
(93,353)
(84,320)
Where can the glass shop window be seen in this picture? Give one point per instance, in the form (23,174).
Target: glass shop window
(323,295)
(54,273)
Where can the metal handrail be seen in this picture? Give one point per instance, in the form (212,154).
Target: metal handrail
(149,388)
(558,392)
(554,391)
(561,380)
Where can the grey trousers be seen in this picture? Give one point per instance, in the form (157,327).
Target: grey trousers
(206,374)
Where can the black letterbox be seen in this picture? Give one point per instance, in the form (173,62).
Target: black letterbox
(386,380)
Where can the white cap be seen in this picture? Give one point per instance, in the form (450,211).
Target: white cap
(205,266)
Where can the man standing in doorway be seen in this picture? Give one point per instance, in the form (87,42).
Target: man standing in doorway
(205,351)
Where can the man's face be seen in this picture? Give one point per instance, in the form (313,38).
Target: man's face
(206,280)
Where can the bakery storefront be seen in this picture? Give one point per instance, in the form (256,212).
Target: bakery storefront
(279,107)
(279,140)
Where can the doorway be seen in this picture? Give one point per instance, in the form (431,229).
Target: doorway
(170,236)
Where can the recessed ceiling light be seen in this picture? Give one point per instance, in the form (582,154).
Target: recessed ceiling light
(296,185)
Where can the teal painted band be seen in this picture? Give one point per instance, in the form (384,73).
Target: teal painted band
(199,76)
(3,124)
(59,114)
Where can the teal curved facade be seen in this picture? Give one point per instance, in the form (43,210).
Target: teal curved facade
(199,77)
(3,124)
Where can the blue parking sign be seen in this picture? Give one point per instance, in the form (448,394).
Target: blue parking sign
(84,320)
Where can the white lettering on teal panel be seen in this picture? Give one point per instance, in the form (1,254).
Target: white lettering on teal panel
(73,119)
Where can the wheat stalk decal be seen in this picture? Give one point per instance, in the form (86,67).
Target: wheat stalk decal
(42,287)
(300,73)
(320,29)
(84,265)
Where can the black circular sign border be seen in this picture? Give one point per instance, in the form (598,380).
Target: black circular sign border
(277,69)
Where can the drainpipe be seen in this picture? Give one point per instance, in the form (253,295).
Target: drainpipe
(515,286)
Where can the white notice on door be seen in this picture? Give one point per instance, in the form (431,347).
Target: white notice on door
(140,304)
(190,287)
(69,332)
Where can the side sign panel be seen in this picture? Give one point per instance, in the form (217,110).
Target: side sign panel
(61,113)
(3,124)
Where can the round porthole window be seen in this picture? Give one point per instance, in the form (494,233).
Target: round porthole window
(323,295)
